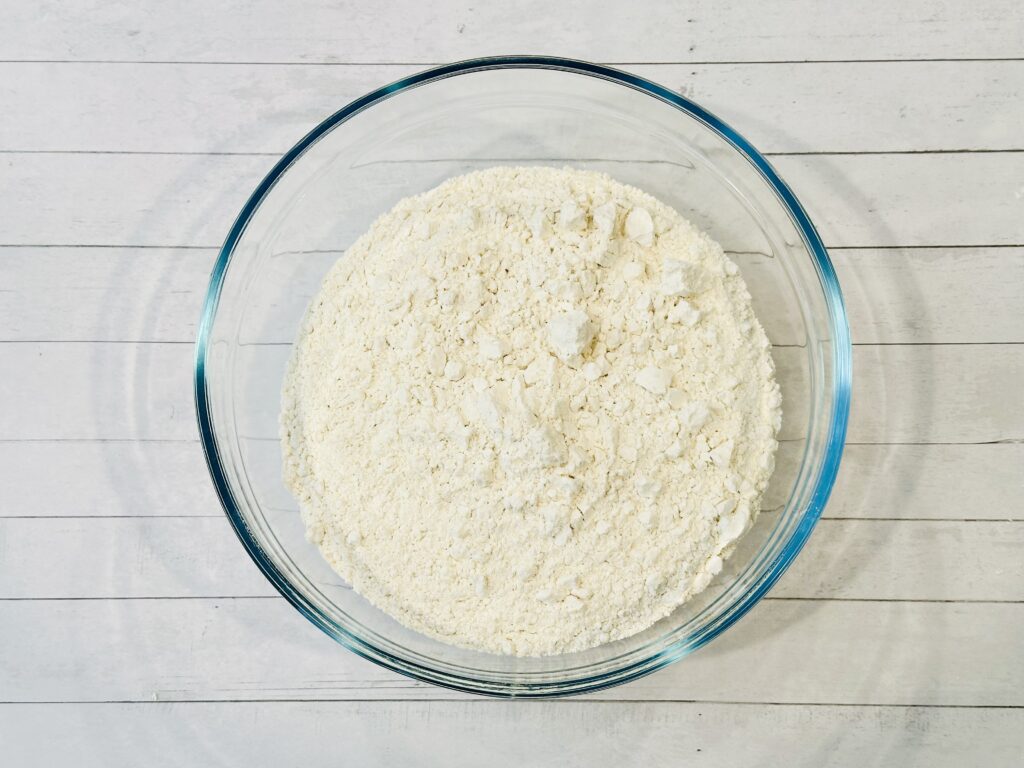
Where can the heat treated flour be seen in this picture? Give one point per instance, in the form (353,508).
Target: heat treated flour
(530,411)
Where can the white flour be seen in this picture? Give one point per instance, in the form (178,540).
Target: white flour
(530,411)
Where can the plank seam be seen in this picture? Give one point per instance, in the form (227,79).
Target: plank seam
(497,702)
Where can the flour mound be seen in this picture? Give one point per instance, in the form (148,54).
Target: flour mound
(530,411)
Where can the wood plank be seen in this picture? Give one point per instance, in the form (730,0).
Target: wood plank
(126,199)
(883,200)
(99,479)
(902,394)
(909,560)
(954,482)
(837,107)
(785,651)
(121,391)
(188,200)
(925,295)
(796,650)
(910,394)
(125,557)
(201,557)
(349,31)
(102,294)
(462,734)
(917,295)
(139,479)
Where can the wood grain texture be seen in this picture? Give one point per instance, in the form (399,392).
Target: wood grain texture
(105,479)
(86,299)
(952,482)
(893,296)
(932,295)
(462,734)
(788,651)
(48,558)
(144,479)
(838,107)
(125,557)
(104,494)
(189,200)
(649,30)
(901,394)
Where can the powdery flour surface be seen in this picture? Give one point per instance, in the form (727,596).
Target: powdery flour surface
(530,411)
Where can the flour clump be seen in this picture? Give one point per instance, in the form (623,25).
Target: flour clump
(530,411)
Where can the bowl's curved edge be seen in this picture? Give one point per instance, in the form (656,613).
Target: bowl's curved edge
(841,373)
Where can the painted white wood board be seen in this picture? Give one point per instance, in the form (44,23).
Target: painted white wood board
(901,393)
(789,651)
(98,478)
(259,108)
(49,558)
(457,734)
(893,296)
(647,30)
(191,200)
(893,640)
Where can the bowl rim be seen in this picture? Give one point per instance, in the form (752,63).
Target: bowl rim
(841,386)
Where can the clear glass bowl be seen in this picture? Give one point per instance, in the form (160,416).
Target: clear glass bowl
(406,138)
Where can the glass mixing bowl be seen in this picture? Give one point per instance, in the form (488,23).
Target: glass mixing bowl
(408,137)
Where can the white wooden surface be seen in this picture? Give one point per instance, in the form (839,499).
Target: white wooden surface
(133,629)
